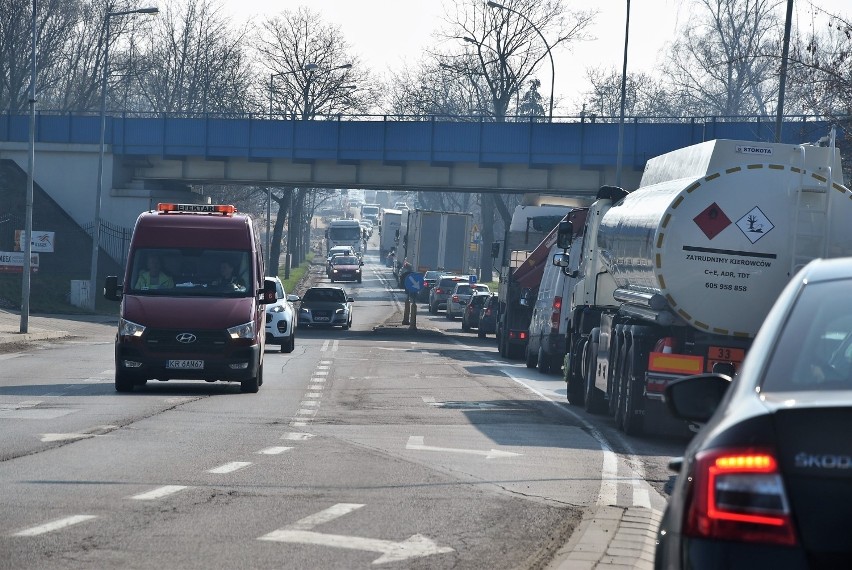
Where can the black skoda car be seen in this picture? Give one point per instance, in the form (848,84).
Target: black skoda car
(767,481)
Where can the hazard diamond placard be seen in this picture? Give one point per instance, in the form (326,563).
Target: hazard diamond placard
(712,220)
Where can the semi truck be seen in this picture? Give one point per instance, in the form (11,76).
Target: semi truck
(676,277)
(344,232)
(436,240)
(389,231)
(524,254)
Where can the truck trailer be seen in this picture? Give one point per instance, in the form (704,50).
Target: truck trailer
(436,240)
(677,276)
(389,231)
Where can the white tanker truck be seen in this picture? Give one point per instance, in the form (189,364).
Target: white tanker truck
(679,274)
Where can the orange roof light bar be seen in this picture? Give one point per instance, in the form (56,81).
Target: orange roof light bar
(167,207)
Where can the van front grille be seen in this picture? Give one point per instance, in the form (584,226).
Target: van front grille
(205,341)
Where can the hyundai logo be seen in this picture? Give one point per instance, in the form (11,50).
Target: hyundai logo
(186,338)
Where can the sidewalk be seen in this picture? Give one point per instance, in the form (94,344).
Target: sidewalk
(48,327)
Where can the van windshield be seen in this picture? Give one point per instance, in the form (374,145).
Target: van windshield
(190,272)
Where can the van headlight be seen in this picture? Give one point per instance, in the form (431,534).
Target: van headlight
(129,328)
(277,309)
(242,331)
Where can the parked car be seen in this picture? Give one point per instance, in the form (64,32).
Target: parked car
(460,295)
(429,279)
(440,291)
(345,268)
(488,316)
(326,306)
(768,477)
(281,318)
(470,316)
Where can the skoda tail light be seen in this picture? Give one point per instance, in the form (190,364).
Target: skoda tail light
(739,495)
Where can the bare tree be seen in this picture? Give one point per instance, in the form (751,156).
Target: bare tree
(55,21)
(502,49)
(725,60)
(194,62)
(310,68)
(644,95)
(429,90)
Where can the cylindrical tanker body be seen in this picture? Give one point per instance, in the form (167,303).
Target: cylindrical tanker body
(720,247)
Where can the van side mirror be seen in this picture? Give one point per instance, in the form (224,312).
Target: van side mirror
(564,234)
(112,290)
(269,293)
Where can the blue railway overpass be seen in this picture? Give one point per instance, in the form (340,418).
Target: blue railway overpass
(153,157)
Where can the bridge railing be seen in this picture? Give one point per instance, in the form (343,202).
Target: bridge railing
(587,141)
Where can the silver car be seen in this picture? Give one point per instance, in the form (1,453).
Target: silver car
(460,295)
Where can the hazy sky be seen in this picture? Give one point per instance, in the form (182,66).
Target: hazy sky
(387,34)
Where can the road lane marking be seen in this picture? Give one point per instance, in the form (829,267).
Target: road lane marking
(298,424)
(325,361)
(336,344)
(55,525)
(641,497)
(297,436)
(325,346)
(313,394)
(274,450)
(416,442)
(91,432)
(321,373)
(416,546)
(324,516)
(159,492)
(309,403)
(306,412)
(318,380)
(229,467)
(323,367)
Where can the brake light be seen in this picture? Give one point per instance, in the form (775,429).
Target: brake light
(556,315)
(455,298)
(739,495)
(439,290)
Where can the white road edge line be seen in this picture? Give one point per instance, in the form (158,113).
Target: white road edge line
(55,525)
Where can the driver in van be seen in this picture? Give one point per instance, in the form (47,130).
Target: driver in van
(227,276)
(153,277)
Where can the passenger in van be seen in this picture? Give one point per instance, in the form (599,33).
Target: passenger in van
(227,277)
(153,277)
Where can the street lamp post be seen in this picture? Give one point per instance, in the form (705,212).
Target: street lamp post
(620,154)
(28,219)
(96,229)
(308,67)
(546,45)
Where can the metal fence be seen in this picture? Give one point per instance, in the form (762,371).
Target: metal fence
(114,240)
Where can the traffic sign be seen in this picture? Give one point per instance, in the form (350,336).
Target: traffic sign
(413,282)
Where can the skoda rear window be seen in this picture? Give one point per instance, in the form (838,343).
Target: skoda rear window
(814,351)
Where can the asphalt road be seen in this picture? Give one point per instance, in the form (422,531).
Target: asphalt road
(379,445)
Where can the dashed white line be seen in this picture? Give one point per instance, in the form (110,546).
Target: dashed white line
(306,412)
(309,403)
(229,467)
(159,492)
(55,525)
(321,373)
(297,436)
(318,380)
(298,424)
(313,394)
(325,346)
(274,450)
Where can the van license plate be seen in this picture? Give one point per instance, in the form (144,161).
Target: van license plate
(185,364)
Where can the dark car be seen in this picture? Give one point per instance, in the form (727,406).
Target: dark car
(345,268)
(767,481)
(429,279)
(326,306)
(440,292)
(470,316)
(488,316)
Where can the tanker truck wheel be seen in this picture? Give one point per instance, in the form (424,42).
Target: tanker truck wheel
(574,373)
(543,361)
(634,419)
(593,401)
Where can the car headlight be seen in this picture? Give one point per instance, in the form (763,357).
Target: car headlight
(242,331)
(276,309)
(129,328)
(334,271)
(305,310)
(339,311)
(357,271)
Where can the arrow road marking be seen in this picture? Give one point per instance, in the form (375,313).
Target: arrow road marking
(416,442)
(417,546)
